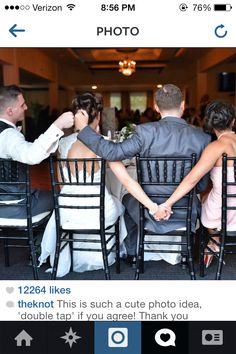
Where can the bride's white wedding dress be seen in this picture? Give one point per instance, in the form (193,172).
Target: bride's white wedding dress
(82,219)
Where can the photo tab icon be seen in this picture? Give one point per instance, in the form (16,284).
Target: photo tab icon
(117,337)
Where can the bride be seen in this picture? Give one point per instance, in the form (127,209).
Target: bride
(70,147)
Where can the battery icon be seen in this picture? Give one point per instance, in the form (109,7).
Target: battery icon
(222,7)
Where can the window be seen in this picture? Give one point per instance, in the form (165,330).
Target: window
(115,100)
(138,100)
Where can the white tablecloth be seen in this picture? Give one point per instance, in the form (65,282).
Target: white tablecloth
(113,184)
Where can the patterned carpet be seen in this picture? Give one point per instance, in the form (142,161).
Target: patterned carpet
(20,269)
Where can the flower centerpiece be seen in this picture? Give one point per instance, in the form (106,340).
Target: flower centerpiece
(127,131)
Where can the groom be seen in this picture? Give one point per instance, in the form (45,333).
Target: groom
(171,136)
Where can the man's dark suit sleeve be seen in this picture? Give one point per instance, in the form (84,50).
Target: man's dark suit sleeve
(108,149)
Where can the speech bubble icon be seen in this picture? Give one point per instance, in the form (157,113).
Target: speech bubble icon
(165,337)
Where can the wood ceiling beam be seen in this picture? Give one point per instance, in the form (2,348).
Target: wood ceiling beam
(214,57)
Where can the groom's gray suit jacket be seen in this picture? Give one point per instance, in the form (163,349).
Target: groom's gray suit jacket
(170,136)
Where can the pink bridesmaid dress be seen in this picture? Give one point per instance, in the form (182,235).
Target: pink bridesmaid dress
(211,208)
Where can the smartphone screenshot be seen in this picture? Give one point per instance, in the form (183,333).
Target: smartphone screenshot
(117,177)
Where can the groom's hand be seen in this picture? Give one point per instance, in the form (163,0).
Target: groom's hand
(66,120)
(81,120)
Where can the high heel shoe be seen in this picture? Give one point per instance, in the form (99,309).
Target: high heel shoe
(208,258)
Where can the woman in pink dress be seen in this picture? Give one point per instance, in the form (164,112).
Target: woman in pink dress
(220,118)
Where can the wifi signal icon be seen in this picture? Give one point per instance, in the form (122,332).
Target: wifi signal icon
(71,6)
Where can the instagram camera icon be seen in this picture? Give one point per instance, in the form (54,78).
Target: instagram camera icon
(118,337)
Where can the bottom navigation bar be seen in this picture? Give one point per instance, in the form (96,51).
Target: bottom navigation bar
(118,337)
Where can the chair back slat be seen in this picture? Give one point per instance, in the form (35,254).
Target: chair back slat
(68,171)
(60,167)
(76,172)
(84,171)
(157,170)
(235,169)
(174,172)
(92,171)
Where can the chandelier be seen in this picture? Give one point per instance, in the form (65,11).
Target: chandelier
(127,67)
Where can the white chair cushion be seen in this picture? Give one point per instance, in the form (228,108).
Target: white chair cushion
(180,229)
(22,222)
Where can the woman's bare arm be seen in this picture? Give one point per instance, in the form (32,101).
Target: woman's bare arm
(207,161)
(131,185)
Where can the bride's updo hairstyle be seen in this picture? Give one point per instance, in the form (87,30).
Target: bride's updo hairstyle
(219,115)
(87,102)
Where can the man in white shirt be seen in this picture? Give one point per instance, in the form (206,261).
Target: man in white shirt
(14,146)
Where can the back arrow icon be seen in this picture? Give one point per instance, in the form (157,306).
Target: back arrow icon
(13,29)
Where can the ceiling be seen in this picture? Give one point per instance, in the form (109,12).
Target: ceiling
(82,67)
(108,59)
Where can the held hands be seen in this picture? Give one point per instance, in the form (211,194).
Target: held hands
(66,120)
(81,119)
(163,212)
